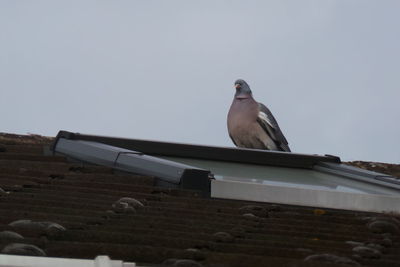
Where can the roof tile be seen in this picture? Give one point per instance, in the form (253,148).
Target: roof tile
(101,214)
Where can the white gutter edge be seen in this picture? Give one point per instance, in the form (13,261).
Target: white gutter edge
(31,261)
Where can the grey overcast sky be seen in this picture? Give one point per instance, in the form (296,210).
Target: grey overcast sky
(164,70)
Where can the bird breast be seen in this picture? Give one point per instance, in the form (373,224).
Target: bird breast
(242,119)
(243,111)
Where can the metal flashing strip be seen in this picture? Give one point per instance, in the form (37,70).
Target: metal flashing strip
(294,177)
(34,261)
(168,173)
(388,179)
(358,174)
(239,155)
(304,197)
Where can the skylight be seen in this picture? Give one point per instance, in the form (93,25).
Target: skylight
(255,175)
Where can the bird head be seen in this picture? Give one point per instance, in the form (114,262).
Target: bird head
(242,89)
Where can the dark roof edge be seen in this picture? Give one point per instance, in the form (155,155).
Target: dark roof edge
(253,156)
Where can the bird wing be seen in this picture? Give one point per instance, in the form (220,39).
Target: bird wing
(270,126)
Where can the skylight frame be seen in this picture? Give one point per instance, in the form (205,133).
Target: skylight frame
(240,155)
(244,190)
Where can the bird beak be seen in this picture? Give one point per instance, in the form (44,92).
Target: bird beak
(237,86)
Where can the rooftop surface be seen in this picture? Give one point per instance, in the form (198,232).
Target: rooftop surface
(78,210)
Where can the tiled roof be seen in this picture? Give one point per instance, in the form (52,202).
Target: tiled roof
(78,210)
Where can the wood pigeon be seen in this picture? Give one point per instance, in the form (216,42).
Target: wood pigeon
(251,124)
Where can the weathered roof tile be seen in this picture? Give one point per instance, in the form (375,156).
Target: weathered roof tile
(92,205)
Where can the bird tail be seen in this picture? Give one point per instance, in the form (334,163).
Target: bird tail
(285,148)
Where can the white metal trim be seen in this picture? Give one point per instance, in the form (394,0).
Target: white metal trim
(304,197)
(29,261)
